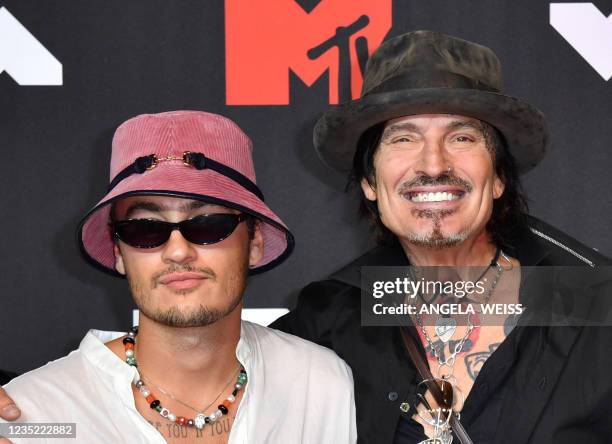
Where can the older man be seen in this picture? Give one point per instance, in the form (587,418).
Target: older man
(185,222)
(437,150)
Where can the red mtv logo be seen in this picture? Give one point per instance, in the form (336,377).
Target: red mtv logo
(265,39)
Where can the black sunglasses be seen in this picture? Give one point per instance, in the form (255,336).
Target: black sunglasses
(202,230)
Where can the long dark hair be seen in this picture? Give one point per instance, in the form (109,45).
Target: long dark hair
(509,215)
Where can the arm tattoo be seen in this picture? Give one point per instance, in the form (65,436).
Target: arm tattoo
(475,361)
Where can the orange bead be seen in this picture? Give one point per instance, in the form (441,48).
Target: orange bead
(129,346)
(150,399)
(226,403)
(180,420)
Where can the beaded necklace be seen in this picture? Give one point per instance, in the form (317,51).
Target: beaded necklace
(200,420)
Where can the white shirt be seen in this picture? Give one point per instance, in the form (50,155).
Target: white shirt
(298,392)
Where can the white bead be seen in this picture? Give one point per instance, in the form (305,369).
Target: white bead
(213,417)
(129,353)
(219,413)
(231,398)
(199,420)
(164,412)
(145,391)
(238,386)
(171,416)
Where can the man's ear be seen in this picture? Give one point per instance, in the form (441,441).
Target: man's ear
(257,245)
(368,189)
(119,265)
(498,187)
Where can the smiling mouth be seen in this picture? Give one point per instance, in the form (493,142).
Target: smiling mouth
(431,196)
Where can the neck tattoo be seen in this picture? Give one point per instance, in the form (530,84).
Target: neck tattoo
(445,326)
(200,419)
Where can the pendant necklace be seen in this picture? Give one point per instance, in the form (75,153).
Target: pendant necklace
(445,328)
(200,419)
(198,411)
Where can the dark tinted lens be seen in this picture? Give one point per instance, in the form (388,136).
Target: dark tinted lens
(209,228)
(143,233)
(446,388)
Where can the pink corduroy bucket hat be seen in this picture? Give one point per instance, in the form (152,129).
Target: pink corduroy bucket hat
(189,154)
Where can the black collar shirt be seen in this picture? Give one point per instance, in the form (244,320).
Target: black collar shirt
(542,384)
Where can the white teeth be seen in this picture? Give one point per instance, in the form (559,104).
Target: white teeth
(433,197)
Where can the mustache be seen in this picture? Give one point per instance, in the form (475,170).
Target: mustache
(208,272)
(443,179)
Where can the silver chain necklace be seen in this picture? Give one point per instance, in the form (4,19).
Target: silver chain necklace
(445,327)
(169,395)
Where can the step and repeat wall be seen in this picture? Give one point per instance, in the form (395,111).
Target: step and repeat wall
(71,72)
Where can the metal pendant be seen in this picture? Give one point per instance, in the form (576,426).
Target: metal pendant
(445,328)
(444,436)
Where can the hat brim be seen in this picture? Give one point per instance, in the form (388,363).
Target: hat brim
(94,234)
(523,126)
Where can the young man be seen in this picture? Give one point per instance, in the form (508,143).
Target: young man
(185,222)
(437,150)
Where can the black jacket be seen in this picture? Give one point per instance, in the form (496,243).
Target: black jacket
(5,377)
(561,384)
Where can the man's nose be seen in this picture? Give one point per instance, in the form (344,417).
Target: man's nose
(434,160)
(178,249)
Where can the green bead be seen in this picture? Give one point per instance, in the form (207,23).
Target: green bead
(131,360)
(158,408)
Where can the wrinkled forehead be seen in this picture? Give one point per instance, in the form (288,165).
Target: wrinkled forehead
(163,204)
(423,122)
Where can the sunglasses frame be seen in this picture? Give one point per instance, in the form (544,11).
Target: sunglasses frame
(239,217)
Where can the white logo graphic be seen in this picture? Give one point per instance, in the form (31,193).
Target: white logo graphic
(588,31)
(23,57)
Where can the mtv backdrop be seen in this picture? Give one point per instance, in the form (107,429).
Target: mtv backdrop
(73,71)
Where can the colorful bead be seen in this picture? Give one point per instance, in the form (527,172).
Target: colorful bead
(200,419)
